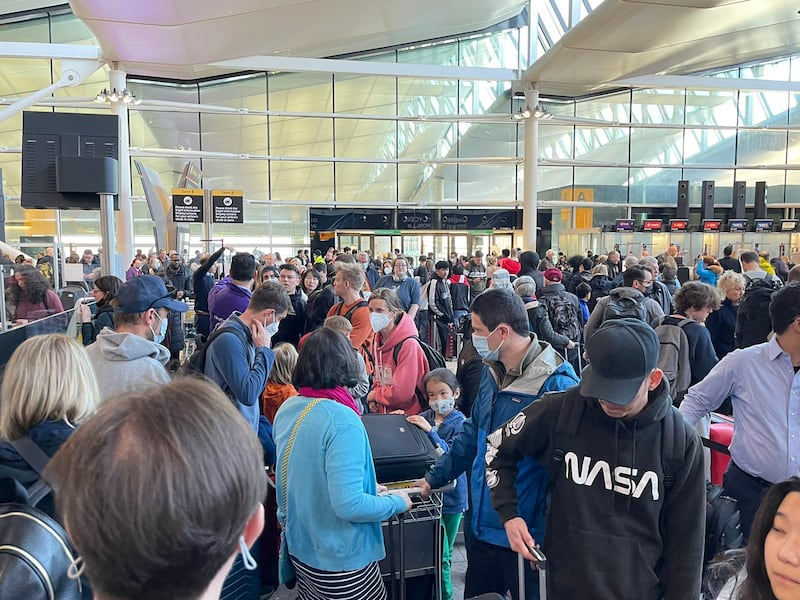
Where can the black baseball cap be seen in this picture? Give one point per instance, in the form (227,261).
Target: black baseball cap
(622,353)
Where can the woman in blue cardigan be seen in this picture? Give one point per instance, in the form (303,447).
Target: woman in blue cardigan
(328,501)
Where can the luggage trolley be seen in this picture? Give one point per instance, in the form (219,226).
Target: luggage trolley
(413,544)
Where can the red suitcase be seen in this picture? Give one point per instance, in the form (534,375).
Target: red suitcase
(721,433)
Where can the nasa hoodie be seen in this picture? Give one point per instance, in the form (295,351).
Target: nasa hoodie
(614,530)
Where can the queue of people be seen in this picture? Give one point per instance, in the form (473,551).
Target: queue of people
(573,441)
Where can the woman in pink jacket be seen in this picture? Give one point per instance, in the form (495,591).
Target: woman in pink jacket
(400,363)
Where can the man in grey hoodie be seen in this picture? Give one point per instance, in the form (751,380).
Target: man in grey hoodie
(130,358)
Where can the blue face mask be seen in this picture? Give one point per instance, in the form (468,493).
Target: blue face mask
(481,345)
(443,407)
(162,333)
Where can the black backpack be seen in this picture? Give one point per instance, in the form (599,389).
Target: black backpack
(435,361)
(752,318)
(35,555)
(625,307)
(723,523)
(564,316)
(196,364)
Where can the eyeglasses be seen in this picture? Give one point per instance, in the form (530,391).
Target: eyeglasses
(645,281)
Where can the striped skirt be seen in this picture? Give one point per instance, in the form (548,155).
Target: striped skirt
(361,584)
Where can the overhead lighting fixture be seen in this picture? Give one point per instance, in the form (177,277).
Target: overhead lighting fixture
(126,96)
(538,112)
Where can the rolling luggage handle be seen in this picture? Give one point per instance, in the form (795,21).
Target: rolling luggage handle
(541,566)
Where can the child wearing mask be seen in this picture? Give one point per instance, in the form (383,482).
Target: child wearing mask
(443,422)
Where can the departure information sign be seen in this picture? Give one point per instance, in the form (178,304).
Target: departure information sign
(763,225)
(678,225)
(711,225)
(653,225)
(624,224)
(788,225)
(737,224)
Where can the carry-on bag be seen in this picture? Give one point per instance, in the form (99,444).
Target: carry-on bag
(720,434)
(400,451)
(541,564)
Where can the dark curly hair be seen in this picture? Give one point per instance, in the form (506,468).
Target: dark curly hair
(36,287)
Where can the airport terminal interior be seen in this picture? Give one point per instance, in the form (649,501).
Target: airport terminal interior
(418,128)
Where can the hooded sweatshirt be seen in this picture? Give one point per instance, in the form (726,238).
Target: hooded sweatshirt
(395,384)
(614,530)
(224,299)
(126,362)
(502,394)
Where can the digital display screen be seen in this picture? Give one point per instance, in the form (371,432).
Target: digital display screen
(763,225)
(711,225)
(652,225)
(737,225)
(788,225)
(678,224)
(625,224)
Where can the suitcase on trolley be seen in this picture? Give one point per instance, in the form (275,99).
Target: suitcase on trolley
(400,451)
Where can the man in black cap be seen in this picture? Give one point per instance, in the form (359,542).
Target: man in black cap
(130,358)
(627,510)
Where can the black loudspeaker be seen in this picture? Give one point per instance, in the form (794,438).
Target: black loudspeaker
(761,199)
(707,201)
(683,199)
(738,199)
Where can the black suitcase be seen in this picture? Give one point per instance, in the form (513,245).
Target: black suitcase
(400,451)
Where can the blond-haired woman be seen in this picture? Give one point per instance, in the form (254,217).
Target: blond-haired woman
(721,324)
(49,388)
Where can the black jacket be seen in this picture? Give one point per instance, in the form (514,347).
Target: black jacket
(721,324)
(319,303)
(49,436)
(293,325)
(104,317)
(730,264)
(614,530)
(440,303)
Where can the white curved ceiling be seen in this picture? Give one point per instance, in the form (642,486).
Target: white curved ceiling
(622,39)
(178,39)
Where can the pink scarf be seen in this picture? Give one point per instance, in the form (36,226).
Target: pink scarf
(339,394)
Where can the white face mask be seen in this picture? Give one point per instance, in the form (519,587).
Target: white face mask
(379,321)
(387,271)
(272,328)
(443,407)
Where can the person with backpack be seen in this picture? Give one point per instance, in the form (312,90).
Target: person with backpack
(627,482)
(600,284)
(762,382)
(397,384)
(347,285)
(240,358)
(564,311)
(752,318)
(538,319)
(627,301)
(518,371)
(49,388)
(687,353)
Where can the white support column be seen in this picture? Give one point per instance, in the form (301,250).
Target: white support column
(530,171)
(124,221)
